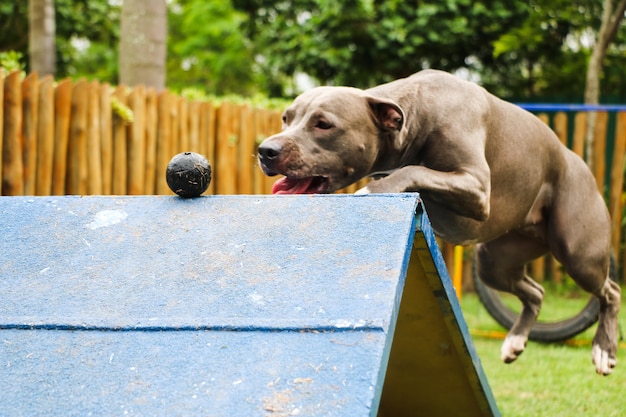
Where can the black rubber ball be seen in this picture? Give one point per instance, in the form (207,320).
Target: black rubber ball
(188,174)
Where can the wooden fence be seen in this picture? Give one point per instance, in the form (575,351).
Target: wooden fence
(63,138)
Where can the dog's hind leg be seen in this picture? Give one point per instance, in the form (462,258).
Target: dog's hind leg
(501,265)
(588,265)
(579,236)
(590,270)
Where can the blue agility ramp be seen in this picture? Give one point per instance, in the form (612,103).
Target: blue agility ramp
(230,306)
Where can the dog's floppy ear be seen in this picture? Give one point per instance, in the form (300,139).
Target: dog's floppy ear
(389,117)
(387,114)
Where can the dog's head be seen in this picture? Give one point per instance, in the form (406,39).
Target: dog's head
(331,138)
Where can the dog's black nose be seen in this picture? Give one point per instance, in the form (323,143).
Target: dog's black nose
(269,151)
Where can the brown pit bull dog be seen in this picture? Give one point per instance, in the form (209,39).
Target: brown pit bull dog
(488,173)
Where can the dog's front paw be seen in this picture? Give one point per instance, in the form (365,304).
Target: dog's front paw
(512,347)
(382,186)
(603,360)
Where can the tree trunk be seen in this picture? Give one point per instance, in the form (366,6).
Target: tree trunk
(611,19)
(41,36)
(143,43)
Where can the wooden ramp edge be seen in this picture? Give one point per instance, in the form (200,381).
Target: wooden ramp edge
(433,369)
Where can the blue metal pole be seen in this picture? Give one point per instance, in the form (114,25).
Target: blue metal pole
(572,107)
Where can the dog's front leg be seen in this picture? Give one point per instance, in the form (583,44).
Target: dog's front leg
(466,192)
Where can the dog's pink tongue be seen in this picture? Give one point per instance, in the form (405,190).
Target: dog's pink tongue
(292,186)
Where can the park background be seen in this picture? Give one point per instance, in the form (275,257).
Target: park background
(98,95)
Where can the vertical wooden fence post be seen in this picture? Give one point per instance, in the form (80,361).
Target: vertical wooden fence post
(106,138)
(93,139)
(560,126)
(45,136)
(151,142)
(174,118)
(225,152)
(30,113)
(580,128)
(62,111)
(193,126)
(120,165)
(164,141)
(12,164)
(209,112)
(245,151)
(203,129)
(77,170)
(182,126)
(136,162)
(599,149)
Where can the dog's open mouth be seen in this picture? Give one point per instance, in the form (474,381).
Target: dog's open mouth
(308,185)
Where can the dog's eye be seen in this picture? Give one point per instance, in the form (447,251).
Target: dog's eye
(322,124)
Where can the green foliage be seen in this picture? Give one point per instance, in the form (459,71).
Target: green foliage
(207,49)
(547,53)
(95,25)
(11,61)
(260,101)
(542,54)
(362,43)
(96,22)
(518,49)
(14,26)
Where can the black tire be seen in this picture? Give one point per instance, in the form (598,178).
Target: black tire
(555,331)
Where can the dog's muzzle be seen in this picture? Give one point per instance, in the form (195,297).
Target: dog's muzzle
(274,158)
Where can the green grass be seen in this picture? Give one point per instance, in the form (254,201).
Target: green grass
(548,379)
